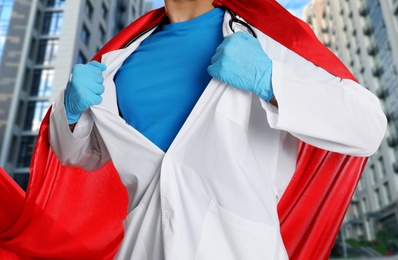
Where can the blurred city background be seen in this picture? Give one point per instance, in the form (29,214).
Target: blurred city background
(40,41)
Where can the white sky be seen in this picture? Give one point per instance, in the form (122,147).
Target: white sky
(296,7)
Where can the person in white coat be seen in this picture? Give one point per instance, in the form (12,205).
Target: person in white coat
(205,164)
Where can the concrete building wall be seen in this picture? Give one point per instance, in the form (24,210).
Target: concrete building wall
(45,39)
(361,34)
(11,70)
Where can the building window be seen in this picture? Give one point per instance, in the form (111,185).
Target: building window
(26,149)
(104,11)
(134,11)
(22,179)
(102,34)
(360,187)
(364,205)
(5,15)
(382,166)
(42,83)
(19,117)
(85,36)
(88,9)
(55,3)
(355,211)
(47,52)
(81,58)
(379,200)
(387,192)
(374,174)
(36,110)
(52,23)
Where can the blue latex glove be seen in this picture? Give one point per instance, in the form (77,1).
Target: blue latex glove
(84,90)
(241,62)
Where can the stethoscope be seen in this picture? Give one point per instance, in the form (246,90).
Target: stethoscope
(235,19)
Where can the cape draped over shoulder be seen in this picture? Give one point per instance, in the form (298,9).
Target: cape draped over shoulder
(67,212)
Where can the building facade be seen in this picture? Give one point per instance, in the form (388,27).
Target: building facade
(5,16)
(361,33)
(45,38)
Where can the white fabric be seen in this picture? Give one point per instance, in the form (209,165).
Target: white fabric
(214,193)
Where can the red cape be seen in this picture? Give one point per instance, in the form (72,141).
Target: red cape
(70,213)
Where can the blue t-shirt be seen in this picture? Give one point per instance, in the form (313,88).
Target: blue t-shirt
(159,84)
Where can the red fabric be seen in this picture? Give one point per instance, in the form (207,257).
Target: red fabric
(272,19)
(66,212)
(314,204)
(11,200)
(69,213)
(142,24)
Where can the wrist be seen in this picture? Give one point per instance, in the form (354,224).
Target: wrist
(71,117)
(264,88)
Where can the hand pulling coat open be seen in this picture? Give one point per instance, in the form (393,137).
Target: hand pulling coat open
(69,213)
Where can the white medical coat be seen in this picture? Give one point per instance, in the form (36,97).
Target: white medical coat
(214,193)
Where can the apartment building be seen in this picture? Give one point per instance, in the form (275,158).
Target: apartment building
(45,38)
(361,33)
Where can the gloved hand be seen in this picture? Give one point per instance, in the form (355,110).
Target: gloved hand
(84,89)
(241,62)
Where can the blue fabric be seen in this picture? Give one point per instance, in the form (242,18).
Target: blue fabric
(159,84)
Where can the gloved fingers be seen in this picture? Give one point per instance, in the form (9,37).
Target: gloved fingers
(90,67)
(214,68)
(90,70)
(225,49)
(97,89)
(81,105)
(97,68)
(97,64)
(244,43)
(234,44)
(94,100)
(81,79)
(238,37)
(88,89)
(217,56)
(220,69)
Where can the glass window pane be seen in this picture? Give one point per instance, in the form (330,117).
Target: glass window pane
(85,36)
(55,3)
(104,11)
(81,58)
(52,23)
(47,52)
(22,179)
(26,149)
(102,34)
(36,110)
(5,15)
(89,9)
(42,83)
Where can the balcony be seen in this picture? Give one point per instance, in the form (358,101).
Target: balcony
(392,141)
(367,30)
(395,167)
(327,44)
(377,70)
(372,49)
(390,116)
(122,7)
(363,10)
(381,93)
